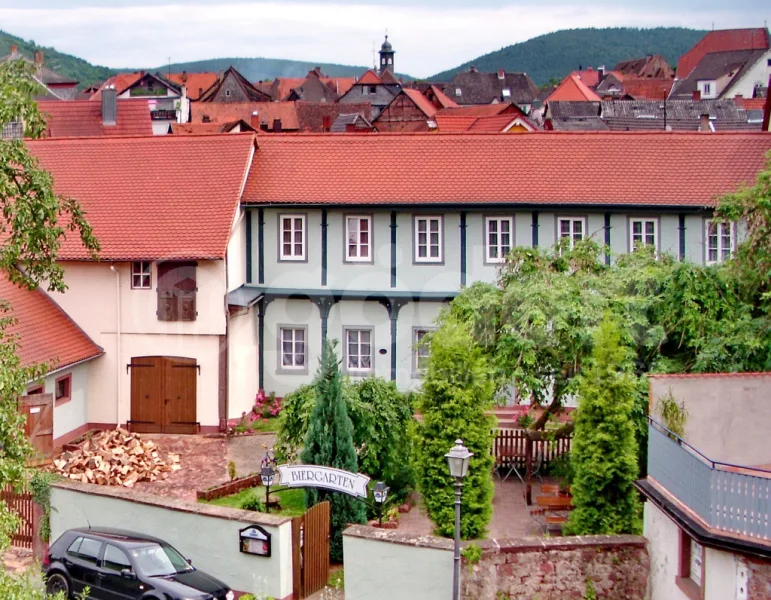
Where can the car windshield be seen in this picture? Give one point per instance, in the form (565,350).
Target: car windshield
(159,560)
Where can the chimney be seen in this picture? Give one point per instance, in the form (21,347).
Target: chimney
(14,49)
(276,125)
(696,95)
(501,74)
(255,120)
(263,126)
(601,72)
(472,69)
(109,106)
(704,124)
(326,123)
(350,128)
(39,58)
(184,76)
(739,100)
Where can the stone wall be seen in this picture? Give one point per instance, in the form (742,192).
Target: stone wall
(558,569)
(758,579)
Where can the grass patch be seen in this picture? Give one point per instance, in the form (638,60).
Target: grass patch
(260,425)
(292,501)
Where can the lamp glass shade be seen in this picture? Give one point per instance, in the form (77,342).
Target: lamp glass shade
(380,492)
(458,459)
(267,475)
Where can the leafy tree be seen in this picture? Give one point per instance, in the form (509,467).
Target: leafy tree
(457,392)
(330,443)
(32,233)
(604,452)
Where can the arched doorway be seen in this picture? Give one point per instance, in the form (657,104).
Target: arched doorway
(163,394)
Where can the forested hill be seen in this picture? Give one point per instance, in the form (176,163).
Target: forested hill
(554,55)
(65,64)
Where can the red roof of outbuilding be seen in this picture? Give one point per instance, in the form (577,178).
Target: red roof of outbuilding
(151,198)
(195,83)
(724,40)
(657,168)
(572,89)
(83,118)
(648,89)
(45,333)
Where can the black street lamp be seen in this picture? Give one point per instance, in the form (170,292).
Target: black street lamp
(458,459)
(266,475)
(380,492)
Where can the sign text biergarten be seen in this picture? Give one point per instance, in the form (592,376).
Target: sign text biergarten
(353,484)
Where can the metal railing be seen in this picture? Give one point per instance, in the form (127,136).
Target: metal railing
(163,114)
(727,497)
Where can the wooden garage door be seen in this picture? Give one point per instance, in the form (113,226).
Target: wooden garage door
(163,394)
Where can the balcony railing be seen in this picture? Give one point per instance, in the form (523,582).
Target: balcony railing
(727,497)
(163,114)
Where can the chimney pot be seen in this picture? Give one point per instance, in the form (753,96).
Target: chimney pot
(501,74)
(326,123)
(472,69)
(184,76)
(696,95)
(276,125)
(39,58)
(263,126)
(704,123)
(255,120)
(739,100)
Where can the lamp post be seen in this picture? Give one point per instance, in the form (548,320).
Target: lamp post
(266,475)
(458,460)
(380,492)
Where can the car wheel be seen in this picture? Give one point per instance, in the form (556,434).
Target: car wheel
(57,582)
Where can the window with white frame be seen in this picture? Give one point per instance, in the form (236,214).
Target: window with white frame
(499,238)
(428,239)
(572,229)
(141,278)
(358,350)
(358,233)
(720,241)
(643,232)
(293,348)
(420,350)
(292,246)
(690,567)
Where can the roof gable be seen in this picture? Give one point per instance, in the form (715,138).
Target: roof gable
(369,78)
(572,89)
(83,118)
(716,65)
(195,83)
(658,168)
(149,198)
(232,77)
(434,92)
(420,101)
(46,334)
(723,40)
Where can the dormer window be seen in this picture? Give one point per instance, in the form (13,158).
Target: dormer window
(457,91)
(506,92)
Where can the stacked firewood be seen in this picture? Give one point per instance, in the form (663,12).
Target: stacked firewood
(116,457)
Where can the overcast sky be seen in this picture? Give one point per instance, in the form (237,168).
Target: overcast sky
(428,35)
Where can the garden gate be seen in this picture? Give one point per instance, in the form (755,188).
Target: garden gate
(310,551)
(39,426)
(21,504)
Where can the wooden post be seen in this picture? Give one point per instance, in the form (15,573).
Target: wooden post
(39,546)
(528,470)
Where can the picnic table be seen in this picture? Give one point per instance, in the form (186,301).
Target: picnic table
(554,509)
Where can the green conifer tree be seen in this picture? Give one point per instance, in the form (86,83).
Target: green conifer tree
(330,443)
(604,452)
(457,392)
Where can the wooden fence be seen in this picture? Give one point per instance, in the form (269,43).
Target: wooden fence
(511,445)
(21,504)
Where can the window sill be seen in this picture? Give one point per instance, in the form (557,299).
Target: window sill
(369,373)
(281,371)
(430,263)
(689,588)
(60,401)
(418,375)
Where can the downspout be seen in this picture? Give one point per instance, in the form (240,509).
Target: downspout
(117,343)
(323,247)
(463,249)
(535,229)
(393,248)
(681,230)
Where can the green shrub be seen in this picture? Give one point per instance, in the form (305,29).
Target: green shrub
(457,392)
(604,451)
(253,503)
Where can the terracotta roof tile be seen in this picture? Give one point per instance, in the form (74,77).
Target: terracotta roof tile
(224,112)
(195,83)
(443,99)
(476,110)
(647,89)
(455,123)
(724,40)
(658,168)
(151,198)
(83,118)
(121,81)
(488,124)
(45,333)
(369,78)
(421,102)
(573,89)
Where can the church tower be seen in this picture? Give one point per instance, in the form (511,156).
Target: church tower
(386,56)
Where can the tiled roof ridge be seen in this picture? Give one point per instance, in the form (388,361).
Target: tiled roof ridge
(115,138)
(572,134)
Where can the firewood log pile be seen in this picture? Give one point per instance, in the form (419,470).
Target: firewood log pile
(116,457)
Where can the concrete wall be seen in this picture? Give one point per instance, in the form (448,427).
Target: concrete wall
(242,362)
(236,255)
(723,412)
(725,574)
(208,535)
(385,564)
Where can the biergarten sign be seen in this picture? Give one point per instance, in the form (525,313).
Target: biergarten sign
(353,484)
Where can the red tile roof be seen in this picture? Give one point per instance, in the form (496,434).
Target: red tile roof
(489,124)
(751,103)
(225,112)
(724,40)
(648,89)
(572,89)
(589,77)
(443,98)
(477,110)
(195,83)
(121,81)
(370,78)
(658,168)
(83,118)
(283,86)
(150,198)
(455,123)
(45,333)
(421,102)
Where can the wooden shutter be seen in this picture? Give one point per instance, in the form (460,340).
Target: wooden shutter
(177,288)
(167,300)
(186,291)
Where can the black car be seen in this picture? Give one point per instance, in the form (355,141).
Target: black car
(121,565)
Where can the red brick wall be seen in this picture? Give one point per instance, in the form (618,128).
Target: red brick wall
(758,579)
(558,569)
